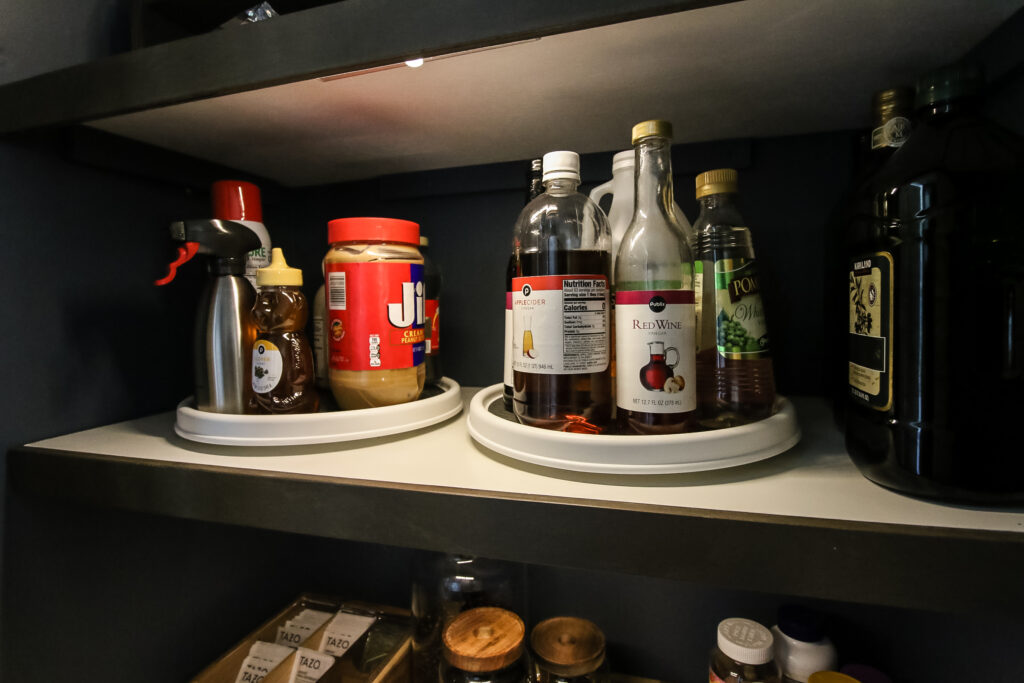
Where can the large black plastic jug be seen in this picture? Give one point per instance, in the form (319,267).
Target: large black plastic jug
(936,281)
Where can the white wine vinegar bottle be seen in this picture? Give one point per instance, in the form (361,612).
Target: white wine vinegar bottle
(655,327)
(561,306)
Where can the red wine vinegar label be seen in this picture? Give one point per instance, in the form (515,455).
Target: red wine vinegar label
(655,353)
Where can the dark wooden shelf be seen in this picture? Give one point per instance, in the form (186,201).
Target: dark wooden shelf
(335,38)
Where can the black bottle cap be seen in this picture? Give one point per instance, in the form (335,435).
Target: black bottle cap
(801,623)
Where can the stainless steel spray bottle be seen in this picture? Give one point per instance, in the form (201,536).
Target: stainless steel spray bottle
(224,331)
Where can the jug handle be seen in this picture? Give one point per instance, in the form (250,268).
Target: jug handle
(599,192)
(672,365)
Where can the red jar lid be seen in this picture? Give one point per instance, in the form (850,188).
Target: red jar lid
(236,200)
(373,230)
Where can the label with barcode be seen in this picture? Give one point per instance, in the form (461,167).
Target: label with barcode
(337,292)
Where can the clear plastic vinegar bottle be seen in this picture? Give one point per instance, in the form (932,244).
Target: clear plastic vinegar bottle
(735,380)
(655,383)
(561,306)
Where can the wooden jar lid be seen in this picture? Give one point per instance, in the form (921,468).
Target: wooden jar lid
(568,646)
(484,639)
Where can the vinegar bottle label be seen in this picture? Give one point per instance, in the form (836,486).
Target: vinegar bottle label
(655,351)
(560,324)
(507,369)
(740,324)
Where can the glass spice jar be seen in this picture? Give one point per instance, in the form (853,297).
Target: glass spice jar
(484,645)
(568,650)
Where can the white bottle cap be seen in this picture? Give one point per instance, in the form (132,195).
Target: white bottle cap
(626,159)
(561,165)
(745,641)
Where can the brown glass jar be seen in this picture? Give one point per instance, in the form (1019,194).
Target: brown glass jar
(568,650)
(744,654)
(484,645)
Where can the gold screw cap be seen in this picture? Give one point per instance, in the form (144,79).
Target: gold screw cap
(484,639)
(654,127)
(278,272)
(717,181)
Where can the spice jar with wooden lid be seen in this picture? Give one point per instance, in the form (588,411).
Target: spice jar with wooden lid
(568,650)
(484,645)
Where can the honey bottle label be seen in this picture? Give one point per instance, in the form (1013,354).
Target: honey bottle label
(267,366)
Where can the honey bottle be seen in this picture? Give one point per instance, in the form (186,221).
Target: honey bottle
(283,380)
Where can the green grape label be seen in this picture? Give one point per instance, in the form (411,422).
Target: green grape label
(870,332)
(740,325)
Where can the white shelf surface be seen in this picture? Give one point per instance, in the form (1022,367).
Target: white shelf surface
(814,480)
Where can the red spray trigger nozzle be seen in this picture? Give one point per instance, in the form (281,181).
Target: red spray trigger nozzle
(185,252)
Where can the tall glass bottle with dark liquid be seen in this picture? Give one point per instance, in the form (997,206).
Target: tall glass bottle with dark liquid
(535,186)
(735,381)
(891,125)
(560,306)
(936,296)
(655,382)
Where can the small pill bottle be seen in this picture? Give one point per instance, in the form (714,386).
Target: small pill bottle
(744,654)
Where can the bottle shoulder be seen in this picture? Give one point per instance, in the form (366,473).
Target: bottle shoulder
(562,221)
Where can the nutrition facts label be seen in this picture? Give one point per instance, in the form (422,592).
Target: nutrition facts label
(560,324)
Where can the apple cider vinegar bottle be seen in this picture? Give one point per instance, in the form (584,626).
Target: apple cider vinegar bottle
(560,306)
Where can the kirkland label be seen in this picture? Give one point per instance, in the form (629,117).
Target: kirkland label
(560,324)
(871,330)
(375,315)
(654,351)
